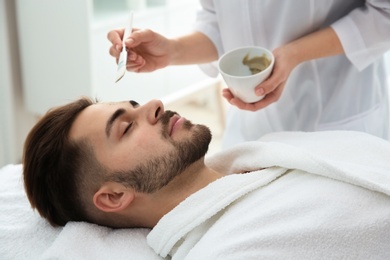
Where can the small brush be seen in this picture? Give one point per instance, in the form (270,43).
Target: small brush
(123,56)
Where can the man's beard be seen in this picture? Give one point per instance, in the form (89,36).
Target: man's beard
(158,171)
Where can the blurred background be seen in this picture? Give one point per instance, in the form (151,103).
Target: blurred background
(53,51)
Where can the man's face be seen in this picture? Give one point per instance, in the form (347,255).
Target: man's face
(146,142)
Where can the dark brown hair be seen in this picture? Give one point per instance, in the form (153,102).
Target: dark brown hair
(53,165)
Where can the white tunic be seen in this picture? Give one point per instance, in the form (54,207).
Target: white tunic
(340,92)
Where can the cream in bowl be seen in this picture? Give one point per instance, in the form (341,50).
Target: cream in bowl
(244,68)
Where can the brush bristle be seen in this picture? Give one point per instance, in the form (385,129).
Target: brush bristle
(120,73)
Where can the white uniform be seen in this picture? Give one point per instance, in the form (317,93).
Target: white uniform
(340,92)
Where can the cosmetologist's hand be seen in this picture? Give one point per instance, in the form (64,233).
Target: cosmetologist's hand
(272,88)
(147,50)
(318,44)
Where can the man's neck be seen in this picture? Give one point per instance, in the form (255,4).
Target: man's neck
(154,206)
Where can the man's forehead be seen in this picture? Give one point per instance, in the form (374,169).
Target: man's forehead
(110,103)
(113,103)
(94,115)
(88,118)
(98,107)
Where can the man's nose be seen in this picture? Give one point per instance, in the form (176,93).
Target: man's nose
(154,109)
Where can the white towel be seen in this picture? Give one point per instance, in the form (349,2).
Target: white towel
(88,241)
(23,233)
(286,218)
(354,157)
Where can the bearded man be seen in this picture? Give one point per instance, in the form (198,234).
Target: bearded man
(288,196)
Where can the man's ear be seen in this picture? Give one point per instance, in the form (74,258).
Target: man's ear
(113,197)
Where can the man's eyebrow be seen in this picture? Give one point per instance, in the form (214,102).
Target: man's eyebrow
(112,119)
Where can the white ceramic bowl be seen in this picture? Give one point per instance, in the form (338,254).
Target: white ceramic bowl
(238,76)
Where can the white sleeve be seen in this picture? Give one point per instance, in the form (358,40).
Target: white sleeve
(365,32)
(207,23)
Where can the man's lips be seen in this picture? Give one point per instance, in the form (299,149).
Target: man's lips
(175,122)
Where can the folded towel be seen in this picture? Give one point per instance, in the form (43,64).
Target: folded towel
(23,233)
(88,241)
(354,157)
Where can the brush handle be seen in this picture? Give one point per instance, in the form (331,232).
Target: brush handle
(123,56)
(122,59)
(128,29)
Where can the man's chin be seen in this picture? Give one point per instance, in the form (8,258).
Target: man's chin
(200,141)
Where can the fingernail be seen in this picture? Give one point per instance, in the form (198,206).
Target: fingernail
(129,41)
(260,92)
(118,47)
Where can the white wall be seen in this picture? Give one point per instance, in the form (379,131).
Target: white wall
(15,121)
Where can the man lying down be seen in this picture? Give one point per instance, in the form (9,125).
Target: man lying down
(288,196)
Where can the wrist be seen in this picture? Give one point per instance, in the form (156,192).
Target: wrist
(289,54)
(175,51)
